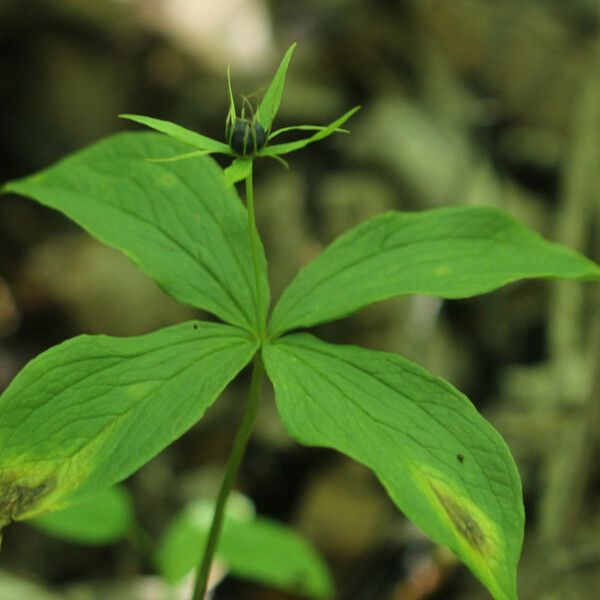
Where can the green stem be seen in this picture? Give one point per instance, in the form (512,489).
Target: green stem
(255,245)
(233,465)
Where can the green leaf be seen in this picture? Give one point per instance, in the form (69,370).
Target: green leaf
(181,134)
(178,221)
(450,252)
(257,549)
(275,149)
(103,518)
(238,170)
(272,99)
(87,413)
(440,461)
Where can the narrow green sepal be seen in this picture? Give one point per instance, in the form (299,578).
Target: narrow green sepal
(185,156)
(231,117)
(197,140)
(270,103)
(303,128)
(281,161)
(321,134)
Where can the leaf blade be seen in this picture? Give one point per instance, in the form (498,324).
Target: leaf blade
(448,252)
(87,413)
(256,549)
(102,518)
(374,407)
(177,221)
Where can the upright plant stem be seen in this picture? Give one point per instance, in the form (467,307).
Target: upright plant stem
(255,245)
(233,465)
(243,435)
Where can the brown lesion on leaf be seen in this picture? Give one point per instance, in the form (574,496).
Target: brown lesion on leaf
(464,522)
(19,495)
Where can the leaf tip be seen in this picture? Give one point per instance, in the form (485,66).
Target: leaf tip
(19,495)
(354,110)
(130,117)
(464,521)
(479,541)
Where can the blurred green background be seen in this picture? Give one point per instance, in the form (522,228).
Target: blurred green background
(464,102)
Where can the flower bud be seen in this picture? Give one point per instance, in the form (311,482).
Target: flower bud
(245,137)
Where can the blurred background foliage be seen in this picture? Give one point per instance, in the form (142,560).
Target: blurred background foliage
(464,101)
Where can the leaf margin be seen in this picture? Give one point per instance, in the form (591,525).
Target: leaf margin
(33,482)
(320,273)
(439,493)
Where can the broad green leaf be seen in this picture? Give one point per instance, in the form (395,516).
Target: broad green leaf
(275,149)
(238,170)
(252,548)
(181,134)
(103,518)
(89,412)
(272,99)
(178,221)
(450,252)
(440,461)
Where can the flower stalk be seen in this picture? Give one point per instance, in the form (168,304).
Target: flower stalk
(233,465)
(248,137)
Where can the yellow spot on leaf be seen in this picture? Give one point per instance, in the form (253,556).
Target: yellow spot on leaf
(167,179)
(463,521)
(442,271)
(21,495)
(140,391)
(476,534)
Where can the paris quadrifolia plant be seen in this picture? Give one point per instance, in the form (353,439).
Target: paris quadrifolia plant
(89,412)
